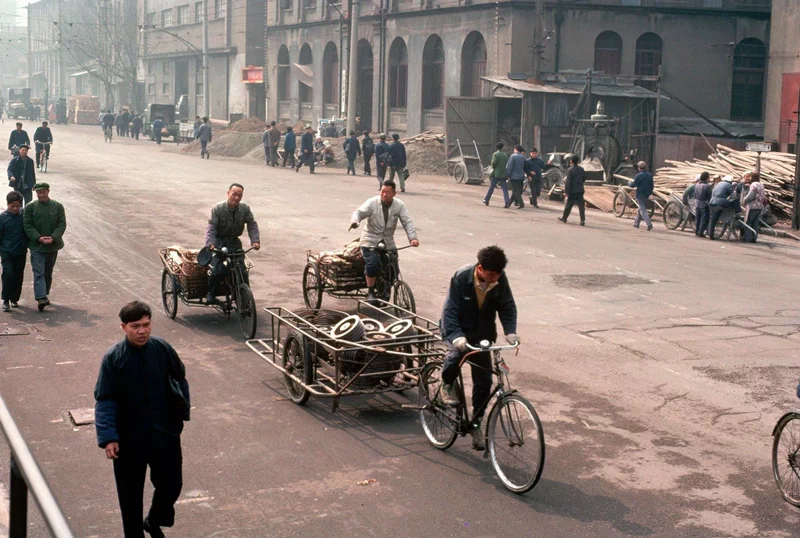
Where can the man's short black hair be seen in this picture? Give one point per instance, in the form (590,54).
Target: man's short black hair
(366,133)
(704,176)
(352,133)
(534,150)
(499,145)
(205,119)
(288,129)
(272,123)
(519,148)
(574,159)
(134,311)
(236,185)
(492,258)
(389,183)
(395,136)
(13,196)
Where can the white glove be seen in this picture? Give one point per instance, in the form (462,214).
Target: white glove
(460,343)
(512,339)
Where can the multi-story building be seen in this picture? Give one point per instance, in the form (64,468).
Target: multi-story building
(783,87)
(47,72)
(13,55)
(412,54)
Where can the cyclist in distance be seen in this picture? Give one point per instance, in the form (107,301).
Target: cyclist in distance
(108,121)
(478,294)
(41,137)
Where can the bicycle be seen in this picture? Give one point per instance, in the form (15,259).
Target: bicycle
(43,156)
(514,435)
(108,133)
(786,456)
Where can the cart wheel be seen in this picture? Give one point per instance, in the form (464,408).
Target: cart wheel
(620,203)
(312,286)
(246,311)
(552,177)
(169,293)
(403,297)
(296,357)
(673,215)
(460,172)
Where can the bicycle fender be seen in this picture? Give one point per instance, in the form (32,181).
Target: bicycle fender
(496,403)
(781,421)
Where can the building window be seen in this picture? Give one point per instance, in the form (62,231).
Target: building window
(306,58)
(151,19)
(310,4)
(183,14)
(608,53)
(330,75)
(749,63)
(219,9)
(151,67)
(286,4)
(648,58)
(166,18)
(151,88)
(398,74)
(433,73)
(473,65)
(165,88)
(198,12)
(284,75)
(165,68)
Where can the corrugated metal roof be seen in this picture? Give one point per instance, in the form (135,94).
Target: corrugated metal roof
(698,126)
(607,87)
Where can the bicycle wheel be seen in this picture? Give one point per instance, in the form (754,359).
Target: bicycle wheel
(44,163)
(516,443)
(403,297)
(296,356)
(312,286)
(169,293)
(620,203)
(786,457)
(438,427)
(673,215)
(246,311)
(720,229)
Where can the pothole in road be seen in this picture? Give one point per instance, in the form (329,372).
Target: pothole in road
(597,282)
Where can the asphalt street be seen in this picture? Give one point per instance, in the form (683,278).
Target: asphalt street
(657,362)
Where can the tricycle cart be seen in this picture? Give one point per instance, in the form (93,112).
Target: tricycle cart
(466,167)
(331,354)
(185,279)
(340,274)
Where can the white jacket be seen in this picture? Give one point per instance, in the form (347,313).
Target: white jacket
(376,229)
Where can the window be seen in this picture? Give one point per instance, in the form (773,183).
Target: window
(433,73)
(330,75)
(183,14)
(310,4)
(165,88)
(749,63)
(286,4)
(151,89)
(648,58)
(151,19)
(165,68)
(219,9)
(306,58)
(608,53)
(198,12)
(284,75)
(151,67)
(398,74)
(166,18)
(473,65)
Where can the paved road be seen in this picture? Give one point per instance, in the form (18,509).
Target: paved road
(658,364)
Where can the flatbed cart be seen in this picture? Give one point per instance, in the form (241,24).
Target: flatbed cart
(330,354)
(466,168)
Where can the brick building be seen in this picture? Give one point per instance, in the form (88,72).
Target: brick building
(783,84)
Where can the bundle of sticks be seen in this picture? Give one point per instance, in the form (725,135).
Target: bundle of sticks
(346,256)
(427,136)
(777,173)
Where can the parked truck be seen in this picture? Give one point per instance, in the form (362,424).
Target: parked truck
(18,101)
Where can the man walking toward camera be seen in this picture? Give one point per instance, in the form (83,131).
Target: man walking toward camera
(45,223)
(573,188)
(142,400)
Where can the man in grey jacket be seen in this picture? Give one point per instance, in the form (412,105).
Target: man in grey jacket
(382,213)
(515,169)
(204,135)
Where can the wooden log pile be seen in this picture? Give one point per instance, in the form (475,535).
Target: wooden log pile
(427,136)
(777,173)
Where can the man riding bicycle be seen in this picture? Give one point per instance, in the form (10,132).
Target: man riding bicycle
(108,122)
(478,293)
(42,138)
(226,225)
(382,213)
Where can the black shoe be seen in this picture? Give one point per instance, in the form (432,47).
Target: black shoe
(506,206)
(485,202)
(520,207)
(41,303)
(14,304)
(583,223)
(210,299)
(372,299)
(6,306)
(152,530)
(562,220)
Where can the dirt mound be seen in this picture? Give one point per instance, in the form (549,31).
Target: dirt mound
(249,125)
(228,144)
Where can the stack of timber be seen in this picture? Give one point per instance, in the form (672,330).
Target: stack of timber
(427,136)
(777,173)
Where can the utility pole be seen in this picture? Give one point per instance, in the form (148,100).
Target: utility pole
(538,38)
(796,193)
(206,89)
(353,70)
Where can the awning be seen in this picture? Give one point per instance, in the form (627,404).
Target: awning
(602,89)
(303,73)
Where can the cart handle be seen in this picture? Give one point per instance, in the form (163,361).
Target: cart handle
(212,248)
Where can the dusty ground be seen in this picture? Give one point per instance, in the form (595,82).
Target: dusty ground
(658,364)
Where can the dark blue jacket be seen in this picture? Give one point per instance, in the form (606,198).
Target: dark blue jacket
(702,193)
(398,152)
(290,141)
(352,144)
(158,125)
(381,148)
(18,138)
(721,193)
(133,393)
(533,167)
(23,171)
(307,143)
(643,183)
(13,241)
(461,317)
(515,168)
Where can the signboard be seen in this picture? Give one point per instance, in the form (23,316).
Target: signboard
(253,75)
(758,146)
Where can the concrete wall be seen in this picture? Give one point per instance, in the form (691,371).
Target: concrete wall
(784,57)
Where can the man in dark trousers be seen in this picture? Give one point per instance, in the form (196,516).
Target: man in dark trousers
(125,124)
(136,126)
(498,176)
(643,183)
(22,174)
(18,138)
(352,149)
(368,149)
(45,222)
(118,119)
(573,188)
(306,150)
(205,135)
(398,152)
(533,169)
(289,147)
(142,400)
(274,142)
(13,249)
(43,139)
(158,125)
(383,159)
(478,294)
(515,170)
(702,195)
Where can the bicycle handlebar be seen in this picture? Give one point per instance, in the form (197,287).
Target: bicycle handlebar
(230,254)
(487,346)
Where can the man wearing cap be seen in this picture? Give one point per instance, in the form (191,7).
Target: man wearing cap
(18,138)
(383,159)
(21,173)
(45,223)
(41,137)
(722,196)
(368,149)
(643,183)
(398,152)
(306,150)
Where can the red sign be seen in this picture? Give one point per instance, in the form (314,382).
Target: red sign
(789,94)
(253,75)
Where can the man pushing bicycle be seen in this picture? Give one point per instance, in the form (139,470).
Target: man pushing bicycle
(478,294)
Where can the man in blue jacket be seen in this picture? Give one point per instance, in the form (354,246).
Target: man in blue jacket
(478,294)
(643,183)
(22,173)
(13,249)
(158,125)
(533,169)
(723,196)
(383,159)
(398,152)
(142,399)
(289,147)
(352,149)
(18,138)
(515,170)
(307,150)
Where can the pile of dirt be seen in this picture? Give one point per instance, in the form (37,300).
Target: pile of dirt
(228,144)
(249,125)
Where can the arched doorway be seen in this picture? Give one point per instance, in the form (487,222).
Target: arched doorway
(398,85)
(364,89)
(330,81)
(473,65)
(433,83)
(306,90)
(749,65)
(608,53)
(648,58)
(284,84)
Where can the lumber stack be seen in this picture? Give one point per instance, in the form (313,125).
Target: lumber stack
(427,136)
(777,173)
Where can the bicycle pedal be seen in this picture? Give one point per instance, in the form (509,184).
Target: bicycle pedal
(415,407)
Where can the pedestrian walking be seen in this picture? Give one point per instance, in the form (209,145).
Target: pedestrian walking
(533,169)
(204,135)
(22,174)
(45,223)
(515,170)
(274,142)
(573,188)
(126,120)
(352,149)
(643,183)
(383,159)
(755,201)
(289,147)
(158,126)
(498,176)
(197,123)
(398,166)
(368,149)
(118,122)
(702,195)
(307,150)
(136,126)
(141,402)
(13,250)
